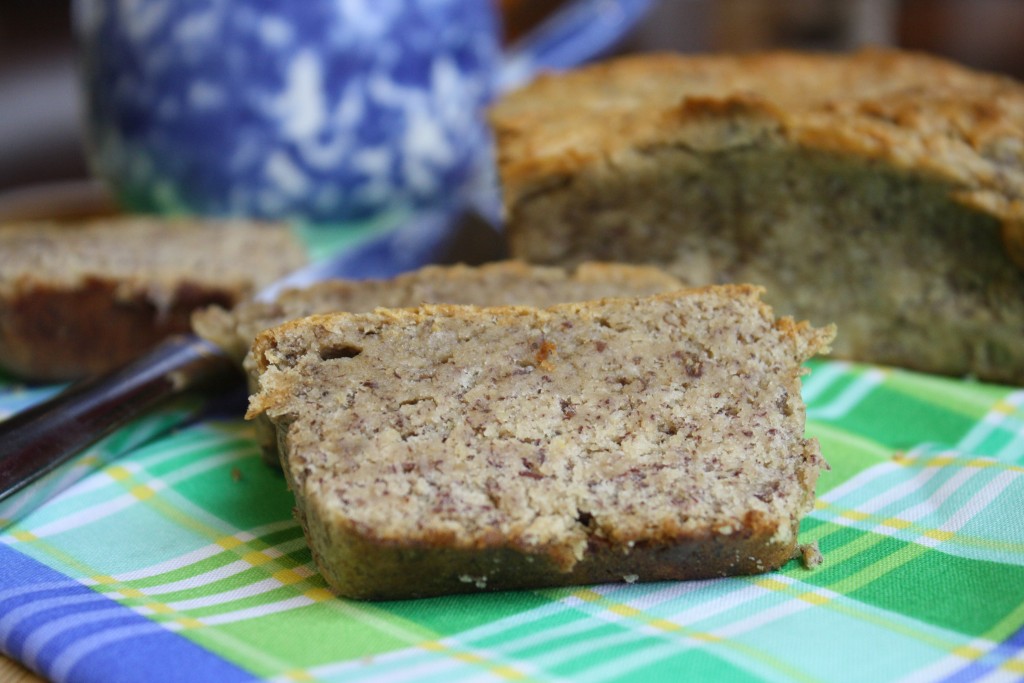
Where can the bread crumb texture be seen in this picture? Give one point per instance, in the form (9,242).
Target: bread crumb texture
(810,555)
(451,448)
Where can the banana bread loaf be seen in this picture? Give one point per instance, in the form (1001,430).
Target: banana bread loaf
(448,449)
(880,190)
(492,284)
(81,298)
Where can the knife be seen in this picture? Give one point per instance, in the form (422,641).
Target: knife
(40,447)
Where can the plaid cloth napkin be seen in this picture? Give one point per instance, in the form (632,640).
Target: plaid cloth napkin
(181,561)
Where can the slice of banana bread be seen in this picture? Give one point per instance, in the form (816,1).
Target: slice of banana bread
(880,190)
(501,283)
(448,449)
(491,284)
(82,298)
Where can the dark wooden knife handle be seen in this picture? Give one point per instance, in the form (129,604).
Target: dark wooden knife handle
(46,437)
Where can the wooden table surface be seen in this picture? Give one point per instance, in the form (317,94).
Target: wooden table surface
(13,672)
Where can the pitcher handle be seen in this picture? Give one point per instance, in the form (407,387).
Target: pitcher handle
(578,32)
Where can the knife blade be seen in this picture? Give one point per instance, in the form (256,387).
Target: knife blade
(40,447)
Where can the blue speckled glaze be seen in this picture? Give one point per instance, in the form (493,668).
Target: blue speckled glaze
(325,110)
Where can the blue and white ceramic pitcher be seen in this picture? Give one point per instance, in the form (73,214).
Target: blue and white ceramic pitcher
(326,111)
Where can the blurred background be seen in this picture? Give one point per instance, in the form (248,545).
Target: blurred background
(39,110)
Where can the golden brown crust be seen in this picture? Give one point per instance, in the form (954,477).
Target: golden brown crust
(910,111)
(83,298)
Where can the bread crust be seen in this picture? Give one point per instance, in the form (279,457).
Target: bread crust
(914,112)
(360,566)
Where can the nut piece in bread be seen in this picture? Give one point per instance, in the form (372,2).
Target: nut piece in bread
(449,449)
(880,190)
(82,298)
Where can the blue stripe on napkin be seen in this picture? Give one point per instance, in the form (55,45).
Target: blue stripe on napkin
(66,631)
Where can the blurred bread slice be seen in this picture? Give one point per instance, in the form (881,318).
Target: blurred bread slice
(82,297)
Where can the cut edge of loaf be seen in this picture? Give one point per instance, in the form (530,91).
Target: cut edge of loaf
(880,190)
